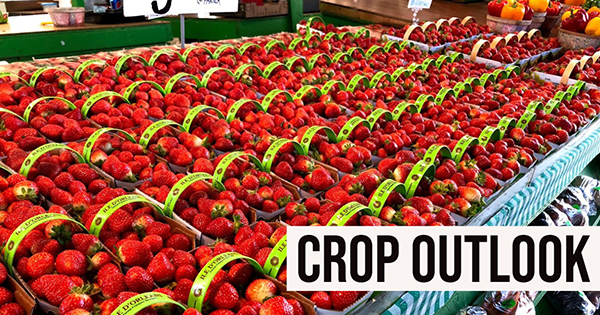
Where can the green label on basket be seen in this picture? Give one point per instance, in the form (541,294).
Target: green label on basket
(462,146)
(462,86)
(290,62)
(96,97)
(295,42)
(420,170)
(341,217)
(274,148)
(229,158)
(131,88)
(382,194)
(400,108)
(513,68)
(375,49)
(399,72)
(266,102)
(139,302)
(441,96)
(388,46)
(31,105)
(422,99)
(362,31)
(525,119)
(23,229)
(89,144)
(349,126)
(161,52)
(560,96)
(433,152)
(191,115)
(572,91)
(376,114)
(503,125)
(274,42)
(414,66)
(182,185)
(4,110)
(488,133)
(485,78)
(247,46)
(425,64)
(188,51)
(221,49)
(305,89)
(441,60)
(580,85)
(121,62)
(550,106)
(330,35)
(109,208)
(310,134)
(8,74)
(83,66)
(37,153)
(355,80)
(330,84)
(378,76)
(472,82)
(456,56)
(240,71)
(312,61)
(7,169)
(271,67)
(338,56)
(276,258)
(499,73)
(40,71)
(152,129)
(176,78)
(209,271)
(232,112)
(352,50)
(210,72)
(534,106)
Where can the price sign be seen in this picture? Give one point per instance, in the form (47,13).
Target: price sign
(419,4)
(176,7)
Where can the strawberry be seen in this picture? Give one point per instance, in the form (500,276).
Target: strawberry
(260,290)
(294,209)
(472,195)
(78,299)
(277,235)
(250,182)
(86,243)
(321,179)
(71,263)
(161,269)
(284,170)
(277,306)
(343,299)
(221,208)
(322,300)
(220,227)
(61,197)
(270,206)
(224,297)
(111,281)
(342,164)
(134,253)
(40,264)
(55,288)
(282,196)
(26,190)
(139,280)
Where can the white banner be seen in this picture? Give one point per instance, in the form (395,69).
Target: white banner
(443,258)
(176,7)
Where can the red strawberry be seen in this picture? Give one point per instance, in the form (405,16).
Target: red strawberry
(78,299)
(40,264)
(471,194)
(133,253)
(277,306)
(224,297)
(139,280)
(71,263)
(161,269)
(282,196)
(343,299)
(86,243)
(284,170)
(260,290)
(321,179)
(220,227)
(322,300)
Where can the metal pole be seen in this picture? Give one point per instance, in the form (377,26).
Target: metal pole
(182,29)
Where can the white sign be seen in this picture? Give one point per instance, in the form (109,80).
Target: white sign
(176,7)
(419,4)
(443,258)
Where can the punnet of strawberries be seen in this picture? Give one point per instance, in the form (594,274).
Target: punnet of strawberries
(475,130)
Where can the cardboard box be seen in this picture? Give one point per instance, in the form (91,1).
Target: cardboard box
(251,10)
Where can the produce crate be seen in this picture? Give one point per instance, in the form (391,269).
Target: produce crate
(252,10)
